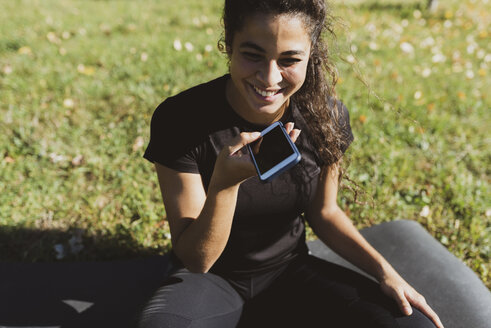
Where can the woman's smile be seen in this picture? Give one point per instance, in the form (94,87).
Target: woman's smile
(266,94)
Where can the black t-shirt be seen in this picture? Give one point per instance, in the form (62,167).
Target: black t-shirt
(187,133)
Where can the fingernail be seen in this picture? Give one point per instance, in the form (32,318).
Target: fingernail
(256,134)
(408,310)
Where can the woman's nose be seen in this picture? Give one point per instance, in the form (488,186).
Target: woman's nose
(270,74)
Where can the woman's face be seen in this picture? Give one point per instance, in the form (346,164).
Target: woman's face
(268,64)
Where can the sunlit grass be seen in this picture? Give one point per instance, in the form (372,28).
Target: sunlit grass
(79,81)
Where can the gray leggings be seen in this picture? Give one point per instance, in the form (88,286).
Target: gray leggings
(308,292)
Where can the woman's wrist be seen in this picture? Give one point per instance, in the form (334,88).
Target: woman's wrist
(385,271)
(219,185)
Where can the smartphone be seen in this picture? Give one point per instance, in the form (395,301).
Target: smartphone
(274,152)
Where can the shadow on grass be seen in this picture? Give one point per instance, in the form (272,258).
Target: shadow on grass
(104,285)
(32,245)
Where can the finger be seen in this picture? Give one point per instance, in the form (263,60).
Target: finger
(241,140)
(419,302)
(289,127)
(403,303)
(294,134)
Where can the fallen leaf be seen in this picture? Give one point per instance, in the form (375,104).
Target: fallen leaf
(24,50)
(77,160)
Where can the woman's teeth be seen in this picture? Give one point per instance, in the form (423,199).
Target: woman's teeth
(265,93)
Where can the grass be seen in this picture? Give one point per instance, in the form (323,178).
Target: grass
(79,81)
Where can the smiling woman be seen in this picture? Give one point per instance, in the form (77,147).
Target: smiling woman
(239,251)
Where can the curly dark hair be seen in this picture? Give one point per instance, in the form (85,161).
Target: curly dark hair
(316,98)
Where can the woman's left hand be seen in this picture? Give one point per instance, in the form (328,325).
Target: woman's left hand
(394,286)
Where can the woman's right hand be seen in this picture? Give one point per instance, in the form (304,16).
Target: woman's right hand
(233,164)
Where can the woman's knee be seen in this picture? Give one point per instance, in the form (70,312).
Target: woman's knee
(416,320)
(189,299)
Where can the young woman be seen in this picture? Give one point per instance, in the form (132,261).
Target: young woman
(239,251)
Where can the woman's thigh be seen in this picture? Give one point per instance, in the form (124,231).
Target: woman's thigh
(316,293)
(193,300)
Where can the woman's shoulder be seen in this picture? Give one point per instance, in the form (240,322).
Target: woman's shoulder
(197,96)
(197,104)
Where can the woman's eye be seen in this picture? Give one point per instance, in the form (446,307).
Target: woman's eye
(252,56)
(289,61)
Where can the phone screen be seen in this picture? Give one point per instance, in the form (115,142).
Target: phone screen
(271,149)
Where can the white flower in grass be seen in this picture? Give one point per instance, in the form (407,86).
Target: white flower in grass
(456,55)
(56,158)
(144,57)
(208,48)
(428,42)
(80,69)
(189,46)
(68,103)
(51,36)
(138,143)
(373,46)
(370,27)
(177,45)
(425,211)
(426,72)
(407,47)
(398,28)
(7,69)
(438,58)
(471,48)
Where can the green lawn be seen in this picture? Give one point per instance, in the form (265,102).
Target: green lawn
(79,81)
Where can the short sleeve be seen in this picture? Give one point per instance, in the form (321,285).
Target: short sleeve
(171,143)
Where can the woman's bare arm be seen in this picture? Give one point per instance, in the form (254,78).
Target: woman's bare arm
(200,221)
(337,231)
